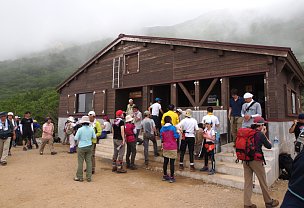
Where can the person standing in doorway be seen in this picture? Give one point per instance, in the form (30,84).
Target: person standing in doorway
(188,127)
(155,108)
(235,117)
(27,130)
(137,115)
(130,106)
(250,110)
(6,133)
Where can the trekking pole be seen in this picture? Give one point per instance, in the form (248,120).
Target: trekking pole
(253,181)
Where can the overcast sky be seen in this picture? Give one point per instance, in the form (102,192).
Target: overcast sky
(33,25)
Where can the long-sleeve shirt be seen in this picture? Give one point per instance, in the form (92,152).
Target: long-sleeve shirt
(47,130)
(254,111)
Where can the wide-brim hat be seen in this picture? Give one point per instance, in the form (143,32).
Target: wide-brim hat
(3,114)
(10,114)
(85,119)
(129,118)
(92,113)
(146,113)
(71,119)
(188,113)
(259,120)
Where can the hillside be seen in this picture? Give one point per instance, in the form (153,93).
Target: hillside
(47,69)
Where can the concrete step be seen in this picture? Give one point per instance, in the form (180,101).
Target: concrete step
(231,158)
(229,148)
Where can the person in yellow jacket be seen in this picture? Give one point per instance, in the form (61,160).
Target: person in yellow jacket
(172,114)
(97,127)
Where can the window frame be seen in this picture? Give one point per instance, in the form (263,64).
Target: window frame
(125,72)
(292,102)
(88,104)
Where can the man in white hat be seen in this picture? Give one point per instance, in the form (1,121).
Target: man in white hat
(250,110)
(189,127)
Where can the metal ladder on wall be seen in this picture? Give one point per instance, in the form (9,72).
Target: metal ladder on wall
(116,72)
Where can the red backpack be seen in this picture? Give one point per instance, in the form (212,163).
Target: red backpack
(244,144)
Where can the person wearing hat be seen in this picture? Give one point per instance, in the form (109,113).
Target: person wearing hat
(294,196)
(130,131)
(97,127)
(172,114)
(6,133)
(155,108)
(27,130)
(84,137)
(189,127)
(10,117)
(297,126)
(69,131)
(119,141)
(17,131)
(250,110)
(257,166)
(130,106)
(149,131)
(47,136)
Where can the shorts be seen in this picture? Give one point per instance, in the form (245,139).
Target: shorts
(27,136)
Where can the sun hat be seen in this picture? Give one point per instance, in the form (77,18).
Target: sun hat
(92,113)
(188,113)
(85,119)
(129,118)
(146,113)
(119,113)
(10,113)
(259,120)
(3,114)
(71,119)
(130,100)
(248,95)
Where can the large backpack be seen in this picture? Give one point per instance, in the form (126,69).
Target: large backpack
(244,144)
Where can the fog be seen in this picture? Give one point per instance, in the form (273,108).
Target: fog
(34,25)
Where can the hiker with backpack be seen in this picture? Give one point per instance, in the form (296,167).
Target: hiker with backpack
(6,134)
(250,110)
(130,132)
(298,129)
(294,196)
(248,145)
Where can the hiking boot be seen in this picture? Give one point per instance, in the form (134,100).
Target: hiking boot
(252,206)
(121,170)
(192,168)
(114,169)
(156,155)
(205,168)
(132,167)
(93,172)
(166,178)
(273,203)
(128,166)
(24,149)
(53,153)
(9,154)
(41,153)
(211,172)
(78,179)
(3,163)
(37,146)
(172,180)
(89,180)
(181,167)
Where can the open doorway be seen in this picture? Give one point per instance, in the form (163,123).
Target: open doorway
(163,92)
(253,84)
(123,96)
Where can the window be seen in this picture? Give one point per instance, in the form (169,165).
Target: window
(84,102)
(131,63)
(292,102)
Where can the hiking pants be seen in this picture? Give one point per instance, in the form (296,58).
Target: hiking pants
(188,141)
(93,157)
(118,153)
(211,154)
(147,138)
(131,151)
(47,141)
(257,168)
(4,148)
(84,154)
(235,124)
(137,136)
(166,161)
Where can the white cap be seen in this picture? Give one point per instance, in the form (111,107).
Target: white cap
(188,113)
(71,119)
(179,110)
(130,100)
(10,113)
(85,119)
(91,113)
(248,95)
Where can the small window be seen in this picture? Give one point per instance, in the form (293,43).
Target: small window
(84,102)
(132,63)
(293,102)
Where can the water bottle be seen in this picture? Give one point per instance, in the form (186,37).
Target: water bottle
(275,142)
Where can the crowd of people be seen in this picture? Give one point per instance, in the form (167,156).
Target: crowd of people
(176,129)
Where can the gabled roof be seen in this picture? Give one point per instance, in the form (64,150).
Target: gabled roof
(236,47)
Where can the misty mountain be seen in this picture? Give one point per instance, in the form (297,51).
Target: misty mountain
(249,27)
(46,69)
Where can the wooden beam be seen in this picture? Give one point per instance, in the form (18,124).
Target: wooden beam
(220,52)
(290,78)
(194,50)
(173,94)
(280,66)
(225,93)
(208,91)
(184,89)
(104,92)
(196,93)
(145,98)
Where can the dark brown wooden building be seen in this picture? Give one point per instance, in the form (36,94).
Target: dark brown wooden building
(187,73)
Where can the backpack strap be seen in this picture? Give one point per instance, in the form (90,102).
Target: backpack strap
(247,109)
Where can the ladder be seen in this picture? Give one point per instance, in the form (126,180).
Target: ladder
(116,72)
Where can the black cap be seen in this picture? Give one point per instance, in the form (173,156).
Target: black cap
(3,114)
